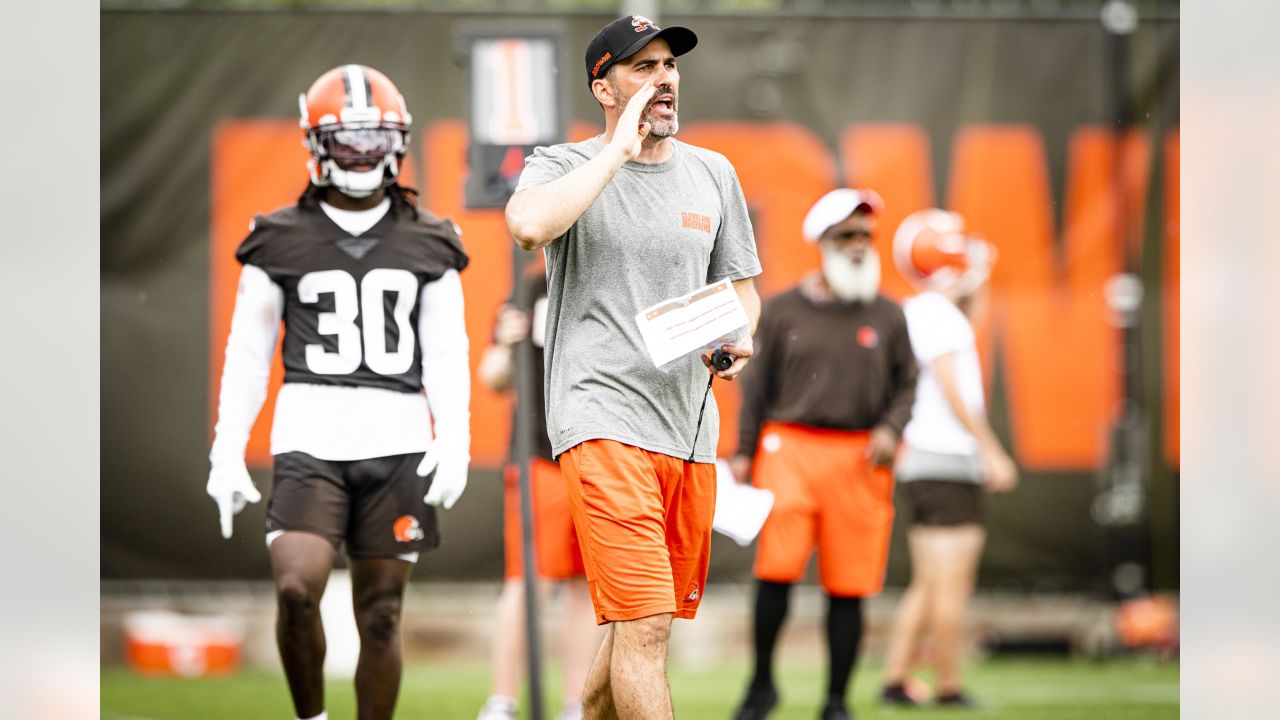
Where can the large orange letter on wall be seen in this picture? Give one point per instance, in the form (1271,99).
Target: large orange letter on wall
(784,168)
(894,160)
(1061,357)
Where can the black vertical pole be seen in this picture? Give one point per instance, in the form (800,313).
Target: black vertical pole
(1122,505)
(491,182)
(522,374)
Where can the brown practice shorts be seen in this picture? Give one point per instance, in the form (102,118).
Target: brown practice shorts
(374,505)
(555,543)
(827,497)
(644,525)
(943,502)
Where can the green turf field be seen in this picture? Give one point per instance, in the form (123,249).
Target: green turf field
(1026,689)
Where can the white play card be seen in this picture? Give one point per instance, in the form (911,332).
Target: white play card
(740,509)
(701,320)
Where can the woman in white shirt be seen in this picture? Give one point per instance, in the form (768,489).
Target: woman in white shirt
(951,454)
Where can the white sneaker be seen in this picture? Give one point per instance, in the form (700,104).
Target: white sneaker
(498,707)
(572,711)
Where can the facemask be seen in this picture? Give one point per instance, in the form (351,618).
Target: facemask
(358,184)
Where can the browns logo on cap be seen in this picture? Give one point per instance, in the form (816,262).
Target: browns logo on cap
(625,36)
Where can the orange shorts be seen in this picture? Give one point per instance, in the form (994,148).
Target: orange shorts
(644,523)
(555,543)
(826,497)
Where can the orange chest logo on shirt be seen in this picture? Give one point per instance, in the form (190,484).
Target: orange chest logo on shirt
(696,221)
(407,529)
(868,337)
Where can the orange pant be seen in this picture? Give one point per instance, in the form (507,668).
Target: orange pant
(826,496)
(644,524)
(555,543)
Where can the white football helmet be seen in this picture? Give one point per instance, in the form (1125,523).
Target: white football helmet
(933,252)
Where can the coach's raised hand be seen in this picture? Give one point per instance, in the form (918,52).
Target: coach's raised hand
(538,214)
(231,488)
(627,143)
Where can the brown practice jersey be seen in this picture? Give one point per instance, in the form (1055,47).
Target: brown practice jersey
(351,304)
(828,364)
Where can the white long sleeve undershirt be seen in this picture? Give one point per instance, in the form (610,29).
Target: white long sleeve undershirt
(345,423)
(255,322)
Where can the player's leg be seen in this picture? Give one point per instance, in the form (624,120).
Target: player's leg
(507,654)
(955,551)
(580,640)
(949,537)
(300,563)
(377,587)
(638,669)
(597,691)
(908,627)
(389,526)
(560,559)
(909,620)
(306,521)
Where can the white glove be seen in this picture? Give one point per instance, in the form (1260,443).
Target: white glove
(450,479)
(231,488)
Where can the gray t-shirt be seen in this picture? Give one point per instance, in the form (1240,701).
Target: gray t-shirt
(654,232)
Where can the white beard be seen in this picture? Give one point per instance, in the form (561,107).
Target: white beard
(849,281)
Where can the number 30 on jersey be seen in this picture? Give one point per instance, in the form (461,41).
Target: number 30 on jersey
(367,302)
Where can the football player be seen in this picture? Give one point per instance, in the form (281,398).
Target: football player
(367,285)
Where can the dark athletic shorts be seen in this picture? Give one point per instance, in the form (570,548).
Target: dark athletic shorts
(943,502)
(374,505)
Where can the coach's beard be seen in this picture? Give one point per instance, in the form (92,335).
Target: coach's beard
(850,281)
(662,127)
(658,127)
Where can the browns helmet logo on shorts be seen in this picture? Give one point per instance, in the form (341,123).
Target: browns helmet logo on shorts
(407,529)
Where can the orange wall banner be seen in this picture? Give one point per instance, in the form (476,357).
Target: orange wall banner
(258,166)
(1050,320)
